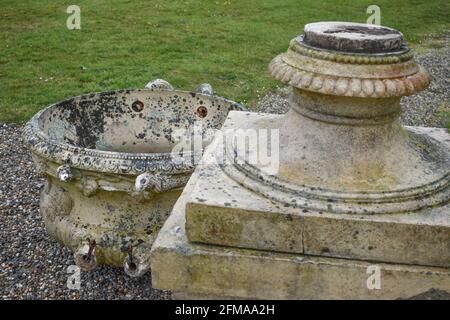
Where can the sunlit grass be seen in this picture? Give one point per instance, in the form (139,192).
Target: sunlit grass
(125,44)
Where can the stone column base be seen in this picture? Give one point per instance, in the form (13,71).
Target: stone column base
(239,269)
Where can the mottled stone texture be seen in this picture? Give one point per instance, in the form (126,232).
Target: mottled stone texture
(111,176)
(219,211)
(353,188)
(353,37)
(203,271)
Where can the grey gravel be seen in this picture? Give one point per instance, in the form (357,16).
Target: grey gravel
(275,101)
(430,108)
(33,265)
(432,294)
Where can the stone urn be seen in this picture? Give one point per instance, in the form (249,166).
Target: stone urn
(112,168)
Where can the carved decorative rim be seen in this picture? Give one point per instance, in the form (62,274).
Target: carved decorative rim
(297,45)
(350,87)
(109,161)
(323,200)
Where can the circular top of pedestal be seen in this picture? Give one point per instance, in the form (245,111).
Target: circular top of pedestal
(353,37)
(352,60)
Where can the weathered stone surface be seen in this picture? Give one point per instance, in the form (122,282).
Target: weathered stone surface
(353,37)
(342,149)
(111,175)
(369,62)
(202,271)
(350,183)
(219,211)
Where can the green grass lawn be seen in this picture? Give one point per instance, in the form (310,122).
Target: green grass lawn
(124,44)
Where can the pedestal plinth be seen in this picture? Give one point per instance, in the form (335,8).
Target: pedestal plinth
(352,192)
(224,241)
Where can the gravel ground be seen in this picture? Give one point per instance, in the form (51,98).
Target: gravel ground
(33,265)
(426,108)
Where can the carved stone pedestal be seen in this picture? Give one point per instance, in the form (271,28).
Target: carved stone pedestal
(231,242)
(358,206)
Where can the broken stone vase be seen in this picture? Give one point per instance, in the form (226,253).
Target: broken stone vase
(111,175)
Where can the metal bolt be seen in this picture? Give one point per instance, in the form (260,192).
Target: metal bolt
(137,106)
(131,265)
(202,111)
(92,244)
(130,253)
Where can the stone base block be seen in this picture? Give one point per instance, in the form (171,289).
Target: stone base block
(220,211)
(202,270)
